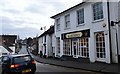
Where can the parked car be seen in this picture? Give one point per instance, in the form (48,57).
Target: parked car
(19,63)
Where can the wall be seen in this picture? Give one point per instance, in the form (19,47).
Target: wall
(94,26)
(114,30)
(40,44)
(119,27)
(53,43)
(48,47)
(3,50)
(13,49)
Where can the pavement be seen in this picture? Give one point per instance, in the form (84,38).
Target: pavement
(96,67)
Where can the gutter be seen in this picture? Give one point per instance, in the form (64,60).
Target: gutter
(109,26)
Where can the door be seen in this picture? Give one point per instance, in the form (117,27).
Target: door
(100,46)
(75,48)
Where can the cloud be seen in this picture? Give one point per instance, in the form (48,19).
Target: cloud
(11,11)
(22,32)
(25,17)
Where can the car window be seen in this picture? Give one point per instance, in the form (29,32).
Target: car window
(21,59)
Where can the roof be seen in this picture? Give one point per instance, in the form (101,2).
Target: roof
(9,40)
(49,31)
(68,10)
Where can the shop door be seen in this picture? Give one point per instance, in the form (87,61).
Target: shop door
(100,47)
(75,48)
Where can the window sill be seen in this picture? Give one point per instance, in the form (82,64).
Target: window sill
(80,25)
(95,21)
(66,28)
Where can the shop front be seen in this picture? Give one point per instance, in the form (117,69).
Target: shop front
(76,44)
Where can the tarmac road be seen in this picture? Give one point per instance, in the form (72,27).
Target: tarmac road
(46,68)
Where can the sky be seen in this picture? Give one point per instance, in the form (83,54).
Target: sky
(26,17)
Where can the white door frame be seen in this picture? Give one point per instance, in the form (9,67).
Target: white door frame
(75,55)
(98,51)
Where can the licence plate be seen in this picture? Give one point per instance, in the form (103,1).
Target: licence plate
(25,71)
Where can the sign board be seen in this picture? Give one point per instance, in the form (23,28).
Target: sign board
(76,34)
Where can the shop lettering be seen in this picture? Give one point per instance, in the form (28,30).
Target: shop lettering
(74,35)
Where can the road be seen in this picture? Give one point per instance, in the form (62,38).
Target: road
(47,69)
(51,68)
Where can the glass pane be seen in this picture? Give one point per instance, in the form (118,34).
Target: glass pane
(22,59)
(98,55)
(100,45)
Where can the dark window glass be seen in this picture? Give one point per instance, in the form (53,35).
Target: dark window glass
(21,59)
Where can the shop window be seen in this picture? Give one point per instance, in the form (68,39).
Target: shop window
(83,47)
(67,47)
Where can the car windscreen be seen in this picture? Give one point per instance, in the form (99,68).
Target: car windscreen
(21,59)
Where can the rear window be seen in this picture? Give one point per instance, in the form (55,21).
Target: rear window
(21,59)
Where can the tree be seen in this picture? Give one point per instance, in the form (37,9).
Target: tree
(29,41)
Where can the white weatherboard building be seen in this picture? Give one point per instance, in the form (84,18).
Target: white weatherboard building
(85,31)
(47,43)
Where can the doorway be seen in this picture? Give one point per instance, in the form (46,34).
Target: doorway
(75,48)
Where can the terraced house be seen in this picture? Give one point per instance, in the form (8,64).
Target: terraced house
(89,31)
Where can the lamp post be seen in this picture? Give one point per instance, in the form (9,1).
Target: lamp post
(44,45)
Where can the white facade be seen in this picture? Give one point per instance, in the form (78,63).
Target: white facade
(3,51)
(13,49)
(47,44)
(96,27)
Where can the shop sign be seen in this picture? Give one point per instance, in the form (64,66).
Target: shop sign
(77,34)
(74,35)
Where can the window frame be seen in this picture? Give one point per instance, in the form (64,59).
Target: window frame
(67,47)
(58,24)
(80,11)
(83,51)
(100,44)
(67,21)
(93,17)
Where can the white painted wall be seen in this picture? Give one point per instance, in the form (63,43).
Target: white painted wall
(47,45)
(53,43)
(114,30)
(50,42)
(40,42)
(3,50)
(119,27)
(13,49)
(94,26)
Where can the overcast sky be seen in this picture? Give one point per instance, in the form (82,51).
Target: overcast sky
(25,17)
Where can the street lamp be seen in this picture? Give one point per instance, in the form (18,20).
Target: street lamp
(43,28)
(113,23)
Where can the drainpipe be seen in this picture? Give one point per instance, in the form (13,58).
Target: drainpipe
(109,26)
